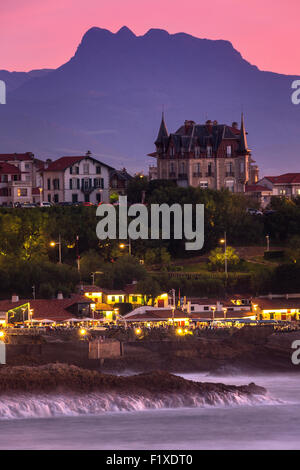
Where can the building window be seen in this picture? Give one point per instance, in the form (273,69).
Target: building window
(49,197)
(98,197)
(74,198)
(22,192)
(197,152)
(71,170)
(55,198)
(56,183)
(48,184)
(228,150)
(230,185)
(209,150)
(98,170)
(172,151)
(86,168)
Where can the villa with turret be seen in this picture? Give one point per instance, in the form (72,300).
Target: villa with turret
(209,155)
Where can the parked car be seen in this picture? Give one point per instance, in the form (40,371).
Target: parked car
(45,204)
(254,212)
(28,205)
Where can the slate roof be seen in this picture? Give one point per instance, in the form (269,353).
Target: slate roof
(201,135)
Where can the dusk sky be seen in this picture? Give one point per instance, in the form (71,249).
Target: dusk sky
(42,34)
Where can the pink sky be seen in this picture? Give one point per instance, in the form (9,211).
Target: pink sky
(45,33)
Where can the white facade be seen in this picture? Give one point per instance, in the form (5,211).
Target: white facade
(86,180)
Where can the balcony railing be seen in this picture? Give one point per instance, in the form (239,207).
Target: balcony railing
(20,183)
(209,174)
(197,174)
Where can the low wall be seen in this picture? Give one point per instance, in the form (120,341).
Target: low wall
(70,352)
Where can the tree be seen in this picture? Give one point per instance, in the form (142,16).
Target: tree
(149,288)
(217,258)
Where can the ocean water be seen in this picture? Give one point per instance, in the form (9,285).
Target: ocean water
(99,421)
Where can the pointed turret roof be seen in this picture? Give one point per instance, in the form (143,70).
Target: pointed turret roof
(163,132)
(243,146)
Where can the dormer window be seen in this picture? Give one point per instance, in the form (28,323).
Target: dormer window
(197,152)
(228,150)
(209,150)
(172,151)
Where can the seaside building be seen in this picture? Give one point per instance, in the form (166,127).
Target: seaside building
(20,178)
(119,180)
(54,310)
(76,179)
(286,185)
(277,307)
(209,155)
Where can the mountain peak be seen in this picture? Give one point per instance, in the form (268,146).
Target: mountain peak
(125,32)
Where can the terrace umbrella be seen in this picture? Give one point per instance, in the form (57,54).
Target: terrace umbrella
(73,320)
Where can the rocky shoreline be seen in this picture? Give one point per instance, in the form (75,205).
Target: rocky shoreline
(63,378)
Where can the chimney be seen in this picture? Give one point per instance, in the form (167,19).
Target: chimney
(60,295)
(234,125)
(15,298)
(47,163)
(188,125)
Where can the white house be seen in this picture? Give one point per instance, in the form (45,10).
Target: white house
(76,179)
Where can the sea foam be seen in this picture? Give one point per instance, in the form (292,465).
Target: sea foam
(29,406)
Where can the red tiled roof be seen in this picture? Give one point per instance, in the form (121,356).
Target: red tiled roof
(277,303)
(256,188)
(16,156)
(130,289)
(51,309)
(286,178)
(8,169)
(63,163)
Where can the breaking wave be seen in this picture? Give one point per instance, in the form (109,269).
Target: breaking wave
(29,406)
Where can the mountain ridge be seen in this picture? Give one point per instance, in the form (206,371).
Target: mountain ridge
(109,96)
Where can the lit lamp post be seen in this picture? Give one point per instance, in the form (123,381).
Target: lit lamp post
(41,191)
(268,242)
(225,311)
(123,245)
(93,275)
(213,313)
(224,241)
(59,247)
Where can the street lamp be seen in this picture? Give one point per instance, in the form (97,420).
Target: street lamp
(93,275)
(224,241)
(268,242)
(225,311)
(40,190)
(213,313)
(59,247)
(123,245)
